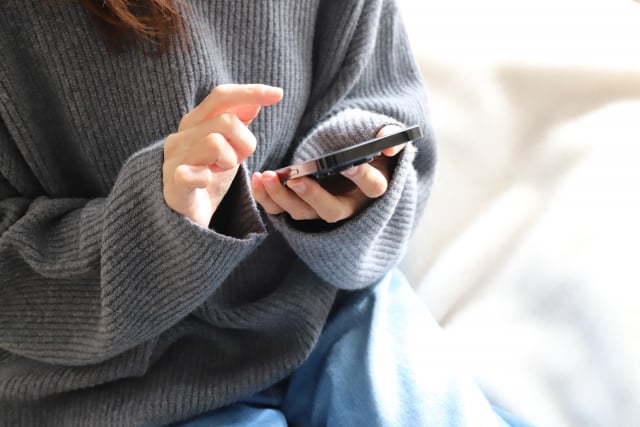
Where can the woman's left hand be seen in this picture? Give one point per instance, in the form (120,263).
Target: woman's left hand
(306,199)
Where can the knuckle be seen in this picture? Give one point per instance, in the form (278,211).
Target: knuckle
(212,141)
(227,119)
(180,175)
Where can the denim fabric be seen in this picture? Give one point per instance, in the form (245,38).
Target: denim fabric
(381,361)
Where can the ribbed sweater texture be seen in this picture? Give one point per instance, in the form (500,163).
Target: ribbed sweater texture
(114,309)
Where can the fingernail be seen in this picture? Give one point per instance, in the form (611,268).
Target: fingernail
(273,91)
(296,185)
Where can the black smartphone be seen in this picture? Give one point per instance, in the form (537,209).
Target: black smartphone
(336,161)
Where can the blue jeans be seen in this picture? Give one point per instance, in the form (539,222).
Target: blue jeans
(381,361)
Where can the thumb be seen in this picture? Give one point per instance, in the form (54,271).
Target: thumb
(388,130)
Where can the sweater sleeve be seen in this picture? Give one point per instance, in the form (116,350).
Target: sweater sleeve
(83,280)
(366,77)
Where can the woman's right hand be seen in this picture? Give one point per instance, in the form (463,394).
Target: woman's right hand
(201,159)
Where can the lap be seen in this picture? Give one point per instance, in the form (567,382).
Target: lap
(381,361)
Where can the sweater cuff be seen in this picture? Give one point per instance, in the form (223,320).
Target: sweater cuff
(238,203)
(356,252)
(160,264)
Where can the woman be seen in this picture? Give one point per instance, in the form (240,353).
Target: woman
(154,269)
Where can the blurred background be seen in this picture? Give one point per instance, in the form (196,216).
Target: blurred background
(528,254)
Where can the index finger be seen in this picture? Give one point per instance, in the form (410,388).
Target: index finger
(229,97)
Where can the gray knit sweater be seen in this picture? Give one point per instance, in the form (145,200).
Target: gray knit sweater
(114,309)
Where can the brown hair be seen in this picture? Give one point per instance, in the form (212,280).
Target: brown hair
(132,21)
